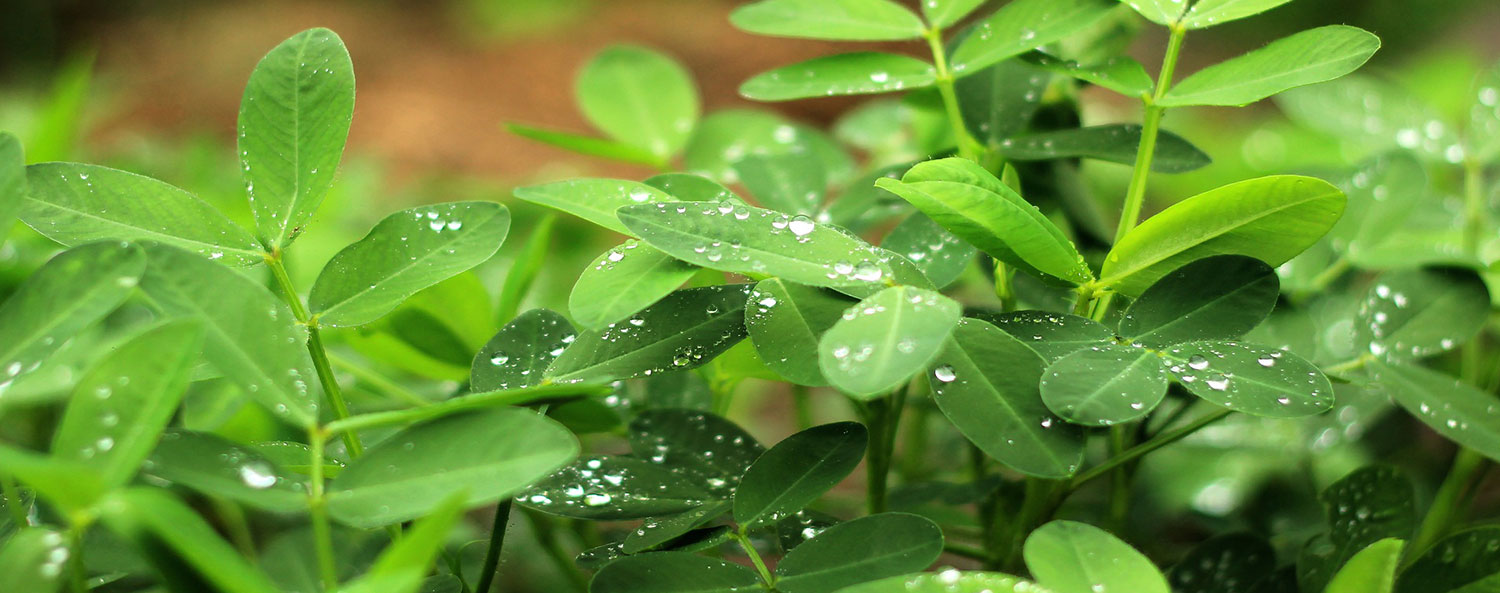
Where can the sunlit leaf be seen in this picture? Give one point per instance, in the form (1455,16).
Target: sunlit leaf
(1070,557)
(1372,570)
(34,561)
(639,97)
(845,20)
(861,73)
(686,329)
(1309,57)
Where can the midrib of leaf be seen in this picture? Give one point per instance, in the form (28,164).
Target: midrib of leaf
(649,347)
(1188,316)
(1035,435)
(67,312)
(254,255)
(629,289)
(858,564)
(1434,308)
(1276,387)
(891,337)
(1031,215)
(292,202)
(1095,394)
(801,479)
(1254,81)
(363,491)
(765,255)
(813,337)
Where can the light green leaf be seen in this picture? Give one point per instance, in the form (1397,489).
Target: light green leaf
(1115,143)
(1051,335)
(1161,12)
(1215,298)
(701,446)
(624,280)
(12,181)
(614,487)
(727,136)
(34,561)
(219,467)
(948,581)
(942,13)
(685,330)
(490,454)
(1384,193)
(1105,385)
(859,73)
(1309,57)
(252,337)
(839,20)
(155,521)
(519,354)
(672,572)
(1255,380)
(1271,219)
(69,485)
(1372,570)
(120,408)
(1371,115)
(691,188)
(1022,25)
(1070,557)
(1418,313)
(639,97)
(785,321)
(403,565)
(73,203)
(1207,13)
(1120,74)
(886,339)
(974,205)
(865,549)
(587,145)
(406,252)
(940,255)
(797,471)
(747,240)
(986,383)
(594,200)
(1484,117)
(790,183)
(294,119)
(67,294)
(1454,409)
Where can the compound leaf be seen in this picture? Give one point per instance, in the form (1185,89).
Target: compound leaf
(1309,57)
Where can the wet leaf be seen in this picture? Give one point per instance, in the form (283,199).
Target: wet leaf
(666,531)
(1308,57)
(594,200)
(1461,413)
(1000,100)
(785,321)
(686,329)
(709,449)
(797,471)
(1417,313)
(672,572)
(1207,13)
(1374,115)
(860,73)
(883,341)
(519,354)
(1115,143)
(948,581)
(614,487)
(1052,335)
(841,20)
(865,549)
(1256,380)
(1370,504)
(1465,559)
(69,485)
(727,136)
(1120,74)
(1020,26)
(789,183)
(67,294)
(624,280)
(1070,557)
(1215,298)
(219,467)
(34,561)
(1105,385)
(1225,564)
(639,97)
(940,255)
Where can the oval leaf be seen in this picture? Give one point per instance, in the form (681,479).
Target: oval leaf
(790,183)
(1116,143)
(865,549)
(1412,314)
(519,354)
(626,279)
(1309,57)
(883,341)
(710,449)
(1372,570)
(35,561)
(613,487)
(639,97)
(797,471)
(68,293)
(1120,74)
(948,581)
(1231,563)
(1022,25)
(1461,413)
(1256,380)
(860,73)
(685,330)
(940,255)
(219,467)
(672,572)
(785,320)
(594,200)
(1469,558)
(1070,557)
(1105,385)
(1215,298)
(841,20)
(1052,335)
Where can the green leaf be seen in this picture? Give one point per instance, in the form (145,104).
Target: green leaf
(624,280)
(1370,504)
(12,181)
(942,13)
(252,337)
(34,561)
(639,97)
(74,204)
(1256,380)
(120,408)
(859,73)
(785,320)
(1309,57)
(940,255)
(403,565)
(491,454)
(974,205)
(1373,570)
(1373,115)
(156,522)
(839,20)
(69,485)
(1484,117)
(1105,385)
(1454,409)
(672,572)
(67,294)
(405,253)
(1120,74)
(1231,563)
(986,383)
(1215,298)
(614,487)
(594,200)
(1207,13)
(587,145)
(1070,557)
(1463,563)
(999,101)
(1052,335)
(1411,314)
(1384,193)
(948,581)
(727,136)
(519,354)
(746,240)
(1115,143)
(1022,25)
(865,549)
(691,188)
(1271,219)
(883,341)
(219,467)
(790,183)
(679,531)
(709,449)
(797,471)
(1161,12)
(294,119)
(685,330)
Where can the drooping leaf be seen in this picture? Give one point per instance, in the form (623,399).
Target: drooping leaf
(1120,74)
(1271,219)
(1052,335)
(1225,564)
(614,487)
(179,540)
(1215,298)
(1207,13)
(974,205)
(948,581)
(587,145)
(1309,57)
(119,409)
(1256,380)
(407,252)
(672,572)
(1463,562)
(252,336)
(840,20)
(711,450)
(686,329)
(1105,385)
(883,341)
(1417,313)
(594,200)
(67,294)
(73,204)
(940,255)
(986,383)
(1070,557)
(490,454)
(12,181)
(219,467)
(1461,413)
(519,354)
(1022,25)
(785,320)
(639,97)
(797,471)
(34,561)
(1372,570)
(789,183)
(941,13)
(860,73)
(1116,143)
(402,567)
(294,119)
(858,551)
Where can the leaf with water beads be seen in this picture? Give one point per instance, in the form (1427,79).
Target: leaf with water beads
(1304,58)
(733,237)
(1207,13)
(519,354)
(1023,25)
(673,572)
(1454,409)
(1465,562)
(614,487)
(1256,380)
(1070,557)
(685,330)
(1384,193)
(688,187)
(789,183)
(883,341)
(663,532)
(594,200)
(219,467)
(785,321)
(1370,504)
(1225,564)
(491,454)
(627,278)
(34,561)
(1121,74)
(949,580)
(862,550)
(839,20)
(797,471)
(1115,143)
(1215,298)
(940,255)
(708,449)
(1051,335)
(639,97)
(1105,385)
(1417,313)
(598,557)
(859,73)
(986,383)
(1373,115)
(797,528)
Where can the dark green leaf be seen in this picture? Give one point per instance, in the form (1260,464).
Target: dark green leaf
(34,561)
(614,487)
(519,354)
(860,73)
(1418,313)
(789,183)
(1052,335)
(67,294)
(883,341)
(1120,74)
(594,200)
(865,549)
(668,531)
(1225,564)
(219,467)
(1309,57)
(999,101)
(686,329)
(1215,298)
(1070,557)
(672,572)
(639,97)
(155,521)
(1116,143)
(1366,506)
(1105,385)
(797,471)
(941,256)
(1454,409)
(842,20)
(1256,380)
(1465,558)
(711,450)
(785,320)
(1022,25)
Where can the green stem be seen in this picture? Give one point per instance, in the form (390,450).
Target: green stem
(316,349)
(1329,274)
(380,382)
(13,502)
(760,565)
(1003,289)
(78,576)
(1119,486)
(968,147)
(883,417)
(1166,437)
(803,405)
(1039,504)
(1473,205)
(1445,508)
(969,552)
(1348,366)
(236,525)
(497,542)
(317,508)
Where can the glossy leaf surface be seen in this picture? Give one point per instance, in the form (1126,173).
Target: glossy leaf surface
(948,581)
(883,341)
(1231,563)
(520,353)
(1207,13)
(865,549)
(1070,557)
(672,572)
(1052,335)
(35,561)
(940,255)
(1464,562)
(594,200)
(1120,74)
(1454,409)
(1116,143)
(624,280)
(842,20)
(1020,26)
(707,448)
(67,294)
(785,320)
(1214,298)
(1309,57)
(1256,380)
(790,183)
(797,471)
(1417,313)
(1105,385)
(686,329)
(614,487)
(218,467)
(861,73)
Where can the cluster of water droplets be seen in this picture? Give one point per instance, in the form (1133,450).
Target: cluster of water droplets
(1384,314)
(848,355)
(435,221)
(56,558)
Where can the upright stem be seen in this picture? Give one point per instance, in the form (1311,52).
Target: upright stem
(803,405)
(1163,439)
(883,416)
(546,535)
(760,565)
(316,349)
(78,576)
(968,147)
(317,507)
(1445,504)
(1119,492)
(497,541)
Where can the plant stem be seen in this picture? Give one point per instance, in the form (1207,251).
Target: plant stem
(1329,274)
(1473,205)
(381,382)
(316,349)
(969,552)
(1166,437)
(13,502)
(760,565)
(968,147)
(235,524)
(497,541)
(1445,508)
(317,508)
(882,416)
(1119,486)
(78,576)
(803,406)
